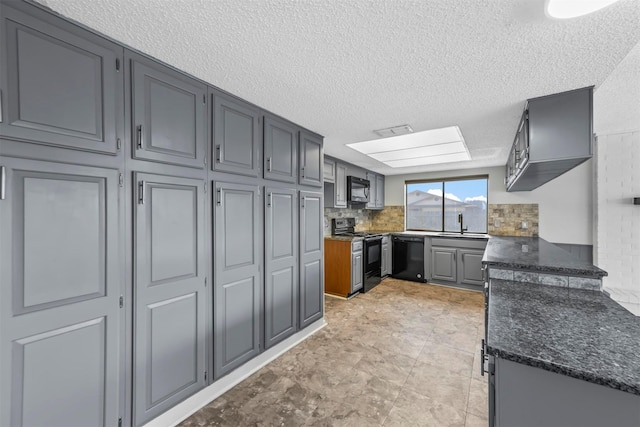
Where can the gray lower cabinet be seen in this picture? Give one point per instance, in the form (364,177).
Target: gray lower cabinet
(237,285)
(552,399)
(169,286)
(281,264)
(357,272)
(280,150)
(385,261)
(311,162)
(470,266)
(59,84)
(236,135)
(443,263)
(311,268)
(60,283)
(168,113)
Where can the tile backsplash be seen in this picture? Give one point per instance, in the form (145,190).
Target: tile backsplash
(513,220)
(362,216)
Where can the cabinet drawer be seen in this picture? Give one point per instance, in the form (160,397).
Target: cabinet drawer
(356,246)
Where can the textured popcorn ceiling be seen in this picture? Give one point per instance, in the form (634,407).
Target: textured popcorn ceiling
(343,68)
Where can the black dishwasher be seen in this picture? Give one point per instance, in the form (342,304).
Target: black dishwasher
(408,258)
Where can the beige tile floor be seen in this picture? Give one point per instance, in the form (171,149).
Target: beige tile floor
(403,354)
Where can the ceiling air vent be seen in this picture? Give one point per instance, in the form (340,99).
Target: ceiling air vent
(394,131)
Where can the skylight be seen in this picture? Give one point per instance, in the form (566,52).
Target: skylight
(429,147)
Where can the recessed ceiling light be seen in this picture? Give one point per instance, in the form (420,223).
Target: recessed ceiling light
(420,148)
(564,9)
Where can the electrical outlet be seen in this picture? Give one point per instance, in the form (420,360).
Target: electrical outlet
(496,223)
(524,225)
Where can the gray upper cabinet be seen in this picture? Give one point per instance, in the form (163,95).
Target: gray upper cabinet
(281,264)
(60,284)
(59,84)
(311,160)
(443,264)
(280,150)
(329,170)
(376,193)
(169,286)
(237,294)
(311,268)
(554,135)
(169,114)
(236,136)
(341,186)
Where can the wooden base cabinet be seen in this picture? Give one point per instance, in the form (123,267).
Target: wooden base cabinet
(343,264)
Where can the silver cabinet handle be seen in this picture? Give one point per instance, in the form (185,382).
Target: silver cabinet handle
(139,136)
(302,170)
(303,200)
(1,110)
(3,182)
(218,153)
(219,196)
(141,188)
(269,164)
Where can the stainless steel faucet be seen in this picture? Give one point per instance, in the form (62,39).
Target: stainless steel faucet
(462,230)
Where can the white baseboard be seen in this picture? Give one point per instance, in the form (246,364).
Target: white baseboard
(184,409)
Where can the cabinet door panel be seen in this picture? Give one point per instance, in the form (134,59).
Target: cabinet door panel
(443,264)
(341,186)
(237,293)
(357,271)
(470,267)
(169,285)
(169,114)
(61,84)
(280,151)
(311,160)
(60,282)
(236,136)
(281,269)
(311,271)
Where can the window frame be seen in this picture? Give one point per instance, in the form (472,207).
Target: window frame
(443,181)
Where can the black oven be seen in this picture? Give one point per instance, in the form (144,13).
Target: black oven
(357,190)
(372,262)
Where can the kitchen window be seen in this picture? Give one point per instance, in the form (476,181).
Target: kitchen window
(435,205)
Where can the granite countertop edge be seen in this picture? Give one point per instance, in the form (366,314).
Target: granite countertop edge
(564,370)
(589,273)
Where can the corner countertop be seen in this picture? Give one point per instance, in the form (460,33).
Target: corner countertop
(536,254)
(343,238)
(578,333)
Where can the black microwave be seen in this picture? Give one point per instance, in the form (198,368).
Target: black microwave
(357,190)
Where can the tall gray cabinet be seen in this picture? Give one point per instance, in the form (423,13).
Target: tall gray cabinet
(311,267)
(170,273)
(157,232)
(281,264)
(237,295)
(60,276)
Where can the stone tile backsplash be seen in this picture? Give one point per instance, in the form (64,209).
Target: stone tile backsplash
(507,220)
(362,216)
(391,218)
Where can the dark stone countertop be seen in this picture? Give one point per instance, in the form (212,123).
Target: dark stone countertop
(536,254)
(579,333)
(343,238)
(444,235)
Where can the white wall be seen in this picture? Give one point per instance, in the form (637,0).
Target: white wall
(565,204)
(617,126)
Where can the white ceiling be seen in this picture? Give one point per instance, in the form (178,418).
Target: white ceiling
(344,68)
